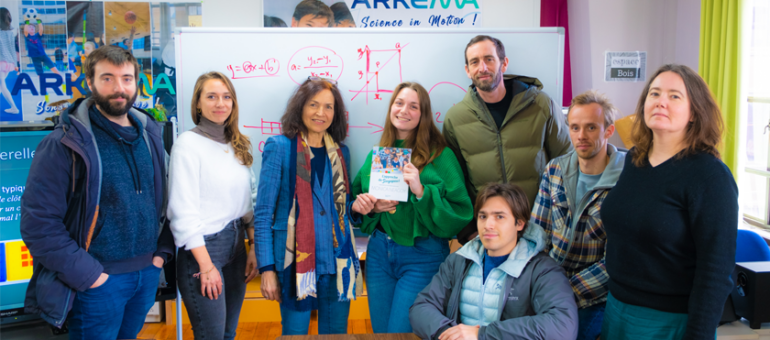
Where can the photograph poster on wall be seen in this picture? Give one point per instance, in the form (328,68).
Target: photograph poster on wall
(41,69)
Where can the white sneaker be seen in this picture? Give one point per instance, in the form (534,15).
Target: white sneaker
(12,110)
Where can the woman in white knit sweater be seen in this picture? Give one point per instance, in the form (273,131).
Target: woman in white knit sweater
(211,210)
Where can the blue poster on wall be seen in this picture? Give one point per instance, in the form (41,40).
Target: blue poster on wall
(44,45)
(17,149)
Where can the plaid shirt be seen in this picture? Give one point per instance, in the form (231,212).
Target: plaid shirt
(578,247)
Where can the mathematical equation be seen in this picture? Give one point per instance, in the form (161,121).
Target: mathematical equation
(378,71)
(315,61)
(269,68)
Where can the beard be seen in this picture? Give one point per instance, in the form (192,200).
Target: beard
(113,109)
(488,85)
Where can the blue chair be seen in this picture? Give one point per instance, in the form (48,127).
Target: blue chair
(751,247)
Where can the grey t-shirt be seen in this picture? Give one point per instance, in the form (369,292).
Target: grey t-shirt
(584,183)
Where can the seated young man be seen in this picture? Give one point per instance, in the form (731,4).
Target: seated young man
(500,285)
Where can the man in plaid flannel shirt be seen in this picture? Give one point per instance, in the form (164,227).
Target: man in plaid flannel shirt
(569,200)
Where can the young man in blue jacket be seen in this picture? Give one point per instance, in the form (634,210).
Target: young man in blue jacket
(568,203)
(500,285)
(92,212)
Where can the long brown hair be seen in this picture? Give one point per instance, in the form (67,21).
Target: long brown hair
(703,133)
(427,143)
(241,143)
(291,121)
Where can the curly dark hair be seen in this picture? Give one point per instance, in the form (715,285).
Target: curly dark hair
(291,122)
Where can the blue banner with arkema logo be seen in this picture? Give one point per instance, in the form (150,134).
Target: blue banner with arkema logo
(372,13)
(44,45)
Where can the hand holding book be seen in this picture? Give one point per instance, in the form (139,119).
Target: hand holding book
(412,178)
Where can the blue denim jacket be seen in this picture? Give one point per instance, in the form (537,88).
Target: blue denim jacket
(271,214)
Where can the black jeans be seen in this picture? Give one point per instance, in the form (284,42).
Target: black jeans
(216,319)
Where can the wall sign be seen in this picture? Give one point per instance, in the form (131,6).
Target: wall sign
(625,66)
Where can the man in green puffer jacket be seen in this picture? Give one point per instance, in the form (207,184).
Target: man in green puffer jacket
(505,129)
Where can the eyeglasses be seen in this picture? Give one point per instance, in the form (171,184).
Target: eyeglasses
(329,80)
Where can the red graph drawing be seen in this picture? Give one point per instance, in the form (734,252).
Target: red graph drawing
(267,127)
(371,126)
(372,73)
(449,85)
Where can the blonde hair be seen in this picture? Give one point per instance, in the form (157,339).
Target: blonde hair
(591,97)
(233,135)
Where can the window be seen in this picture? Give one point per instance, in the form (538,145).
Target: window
(755,116)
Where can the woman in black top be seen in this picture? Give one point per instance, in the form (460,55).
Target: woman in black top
(671,220)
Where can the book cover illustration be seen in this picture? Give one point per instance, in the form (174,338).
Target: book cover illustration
(387,178)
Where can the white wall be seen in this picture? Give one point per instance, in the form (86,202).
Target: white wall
(669,31)
(248,13)
(510,13)
(232,13)
(688,32)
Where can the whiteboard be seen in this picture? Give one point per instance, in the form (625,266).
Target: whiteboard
(266,65)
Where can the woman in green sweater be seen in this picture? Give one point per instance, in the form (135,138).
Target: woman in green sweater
(410,239)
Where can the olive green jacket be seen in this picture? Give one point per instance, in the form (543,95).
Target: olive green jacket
(533,132)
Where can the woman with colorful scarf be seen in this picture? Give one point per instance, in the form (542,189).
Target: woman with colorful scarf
(409,239)
(305,244)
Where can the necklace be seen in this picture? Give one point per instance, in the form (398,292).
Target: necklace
(212,139)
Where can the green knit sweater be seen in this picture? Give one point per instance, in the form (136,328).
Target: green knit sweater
(443,210)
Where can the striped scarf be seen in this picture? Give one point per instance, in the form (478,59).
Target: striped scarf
(300,240)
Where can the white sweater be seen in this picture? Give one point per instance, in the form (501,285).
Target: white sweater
(207,189)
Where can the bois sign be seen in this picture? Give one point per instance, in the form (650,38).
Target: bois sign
(625,66)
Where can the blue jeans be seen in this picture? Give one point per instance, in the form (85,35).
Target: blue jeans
(590,321)
(395,274)
(332,314)
(117,308)
(216,319)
